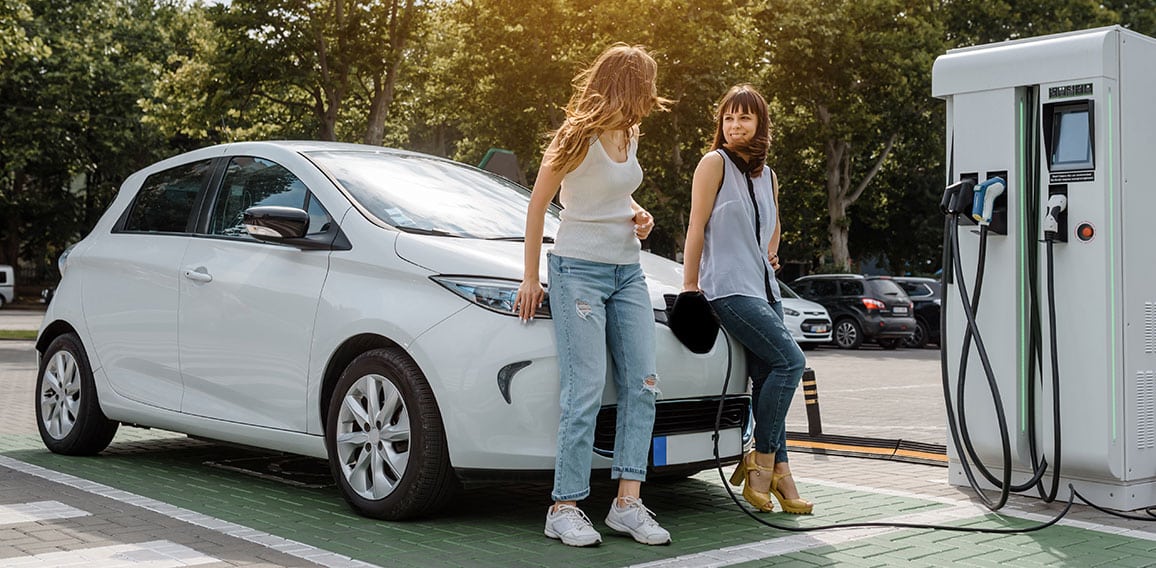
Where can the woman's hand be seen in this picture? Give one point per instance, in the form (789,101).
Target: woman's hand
(643,224)
(688,287)
(774,260)
(529,299)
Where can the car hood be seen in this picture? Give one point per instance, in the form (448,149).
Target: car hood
(805,306)
(503,259)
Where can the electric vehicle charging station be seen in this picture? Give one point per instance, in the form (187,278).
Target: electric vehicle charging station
(1061,119)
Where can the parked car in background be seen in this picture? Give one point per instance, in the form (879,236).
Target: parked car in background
(7,285)
(925,294)
(808,321)
(863,308)
(345,302)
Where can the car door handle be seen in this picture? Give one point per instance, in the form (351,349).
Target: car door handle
(198,275)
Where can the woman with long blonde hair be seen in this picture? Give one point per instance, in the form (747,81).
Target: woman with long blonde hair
(598,297)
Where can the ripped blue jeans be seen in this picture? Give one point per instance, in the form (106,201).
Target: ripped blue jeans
(601,308)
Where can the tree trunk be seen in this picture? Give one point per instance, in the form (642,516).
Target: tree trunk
(401,17)
(379,106)
(840,195)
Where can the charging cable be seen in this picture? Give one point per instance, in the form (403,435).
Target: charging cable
(789,528)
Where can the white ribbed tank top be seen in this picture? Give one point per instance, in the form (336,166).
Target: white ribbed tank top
(597,221)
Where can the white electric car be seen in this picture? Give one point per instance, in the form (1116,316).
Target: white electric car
(345,302)
(808,321)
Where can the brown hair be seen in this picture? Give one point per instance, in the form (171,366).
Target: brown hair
(744,98)
(614,93)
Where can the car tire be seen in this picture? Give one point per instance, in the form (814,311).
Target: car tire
(397,465)
(847,334)
(68,412)
(918,340)
(890,343)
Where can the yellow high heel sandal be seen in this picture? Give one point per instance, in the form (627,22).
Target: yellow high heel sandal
(792,506)
(741,476)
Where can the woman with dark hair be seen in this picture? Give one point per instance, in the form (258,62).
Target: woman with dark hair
(731,257)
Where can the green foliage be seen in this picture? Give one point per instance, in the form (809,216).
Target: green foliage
(71,129)
(93,89)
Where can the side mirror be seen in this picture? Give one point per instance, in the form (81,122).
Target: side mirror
(275,223)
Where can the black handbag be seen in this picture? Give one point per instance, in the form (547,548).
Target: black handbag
(693,322)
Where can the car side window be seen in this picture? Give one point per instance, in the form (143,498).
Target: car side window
(165,200)
(250,182)
(319,219)
(824,289)
(851,288)
(917,290)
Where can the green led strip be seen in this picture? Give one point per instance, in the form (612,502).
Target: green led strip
(1112,260)
(1023,302)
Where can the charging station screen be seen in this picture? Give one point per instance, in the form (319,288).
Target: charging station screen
(1071,138)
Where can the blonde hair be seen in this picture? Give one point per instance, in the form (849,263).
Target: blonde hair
(614,93)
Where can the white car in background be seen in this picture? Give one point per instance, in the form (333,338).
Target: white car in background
(344,302)
(808,321)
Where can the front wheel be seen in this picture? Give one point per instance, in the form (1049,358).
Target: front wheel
(387,446)
(847,334)
(68,413)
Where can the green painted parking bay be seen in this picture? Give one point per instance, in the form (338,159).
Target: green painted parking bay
(501,524)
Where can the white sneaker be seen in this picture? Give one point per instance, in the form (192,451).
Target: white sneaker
(637,521)
(570,525)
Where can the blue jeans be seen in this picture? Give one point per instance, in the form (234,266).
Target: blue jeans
(599,308)
(775,363)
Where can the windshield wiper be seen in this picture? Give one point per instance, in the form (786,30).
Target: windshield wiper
(545,239)
(435,232)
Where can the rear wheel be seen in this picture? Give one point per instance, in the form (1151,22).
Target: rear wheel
(387,446)
(847,334)
(918,340)
(68,412)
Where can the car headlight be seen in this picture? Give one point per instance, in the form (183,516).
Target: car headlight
(790,312)
(494,294)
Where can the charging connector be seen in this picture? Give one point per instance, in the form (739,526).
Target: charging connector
(983,205)
(1055,219)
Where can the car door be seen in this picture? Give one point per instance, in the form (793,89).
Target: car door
(248,307)
(131,283)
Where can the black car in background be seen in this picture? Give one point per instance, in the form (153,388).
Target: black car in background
(925,294)
(863,308)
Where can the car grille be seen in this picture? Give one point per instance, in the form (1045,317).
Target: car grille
(677,417)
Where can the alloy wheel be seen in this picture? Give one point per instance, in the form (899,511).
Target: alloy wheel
(60,394)
(846,335)
(373,437)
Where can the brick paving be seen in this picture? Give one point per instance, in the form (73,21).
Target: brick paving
(154,488)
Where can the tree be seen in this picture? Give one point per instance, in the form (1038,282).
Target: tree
(500,74)
(847,89)
(317,69)
(71,127)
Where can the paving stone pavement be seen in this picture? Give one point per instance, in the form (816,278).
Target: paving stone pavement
(161,499)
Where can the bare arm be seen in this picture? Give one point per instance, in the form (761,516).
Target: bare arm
(704,189)
(546,185)
(773,248)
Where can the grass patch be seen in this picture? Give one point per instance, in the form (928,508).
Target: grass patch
(18,334)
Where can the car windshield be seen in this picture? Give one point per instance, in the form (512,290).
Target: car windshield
(422,194)
(786,291)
